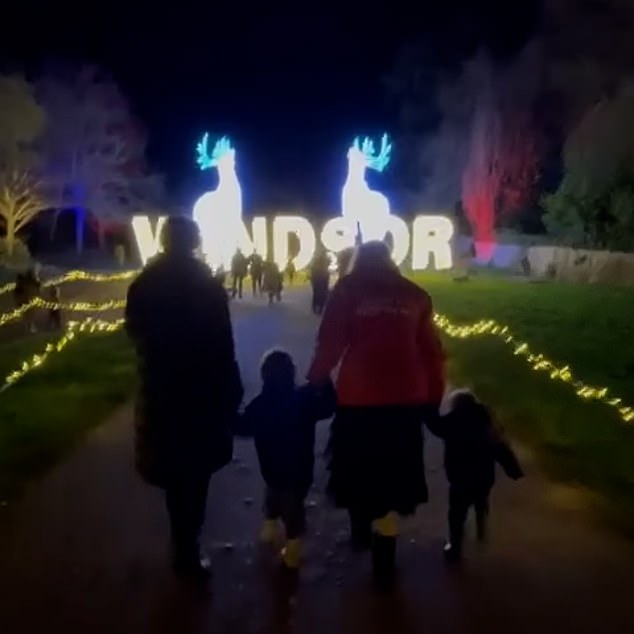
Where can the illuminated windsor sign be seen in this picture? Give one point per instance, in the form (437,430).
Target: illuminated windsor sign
(365,215)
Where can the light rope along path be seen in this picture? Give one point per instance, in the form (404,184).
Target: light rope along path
(538,362)
(74,329)
(38,302)
(78,276)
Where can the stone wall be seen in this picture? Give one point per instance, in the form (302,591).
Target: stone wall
(559,263)
(582,265)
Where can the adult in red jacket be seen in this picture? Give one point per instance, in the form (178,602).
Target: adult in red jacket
(378,328)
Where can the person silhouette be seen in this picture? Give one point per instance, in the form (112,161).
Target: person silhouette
(177,315)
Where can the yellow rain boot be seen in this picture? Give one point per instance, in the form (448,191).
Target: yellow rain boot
(291,554)
(384,550)
(386,526)
(268,533)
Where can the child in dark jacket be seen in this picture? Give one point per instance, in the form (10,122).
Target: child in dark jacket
(282,421)
(472,447)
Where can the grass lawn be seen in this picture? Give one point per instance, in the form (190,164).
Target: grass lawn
(45,415)
(591,328)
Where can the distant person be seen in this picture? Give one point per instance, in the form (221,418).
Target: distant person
(221,275)
(319,281)
(272,281)
(290,271)
(239,270)
(282,419)
(256,269)
(378,329)
(344,259)
(472,447)
(177,316)
(55,313)
(27,287)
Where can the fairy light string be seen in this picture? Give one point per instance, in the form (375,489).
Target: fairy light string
(74,329)
(78,276)
(38,302)
(538,362)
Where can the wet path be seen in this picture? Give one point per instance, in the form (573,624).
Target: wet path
(85,551)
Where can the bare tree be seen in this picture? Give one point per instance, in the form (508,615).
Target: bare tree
(93,146)
(21,122)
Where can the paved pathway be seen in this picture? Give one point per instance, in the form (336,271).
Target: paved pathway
(84,552)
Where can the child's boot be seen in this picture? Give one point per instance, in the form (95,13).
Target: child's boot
(384,550)
(452,553)
(291,554)
(268,533)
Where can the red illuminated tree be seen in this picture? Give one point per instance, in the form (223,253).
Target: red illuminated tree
(501,166)
(482,174)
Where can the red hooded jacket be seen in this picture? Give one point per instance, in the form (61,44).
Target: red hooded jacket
(379,326)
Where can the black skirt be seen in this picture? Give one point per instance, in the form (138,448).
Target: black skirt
(376,460)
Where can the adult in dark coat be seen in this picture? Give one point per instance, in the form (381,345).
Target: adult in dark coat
(344,259)
(239,270)
(320,281)
(177,315)
(256,268)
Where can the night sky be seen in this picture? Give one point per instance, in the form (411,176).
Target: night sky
(291,86)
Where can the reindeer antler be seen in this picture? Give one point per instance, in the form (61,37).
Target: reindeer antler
(366,147)
(380,161)
(203,159)
(223,145)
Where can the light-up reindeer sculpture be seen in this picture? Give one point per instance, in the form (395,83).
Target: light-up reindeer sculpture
(365,211)
(219,212)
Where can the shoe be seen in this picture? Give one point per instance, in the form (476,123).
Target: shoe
(452,555)
(268,533)
(196,569)
(291,554)
(384,561)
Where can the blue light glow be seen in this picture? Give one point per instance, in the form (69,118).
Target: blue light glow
(381,160)
(219,212)
(366,213)
(207,161)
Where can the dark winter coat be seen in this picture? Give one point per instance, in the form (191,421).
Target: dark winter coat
(239,265)
(473,446)
(272,281)
(256,265)
(282,421)
(178,318)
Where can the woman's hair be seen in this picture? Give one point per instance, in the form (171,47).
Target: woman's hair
(180,234)
(372,256)
(277,369)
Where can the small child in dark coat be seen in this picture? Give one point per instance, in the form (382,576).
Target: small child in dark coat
(54,314)
(472,447)
(282,420)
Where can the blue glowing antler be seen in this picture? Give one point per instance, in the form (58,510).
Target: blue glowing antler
(223,145)
(380,161)
(203,159)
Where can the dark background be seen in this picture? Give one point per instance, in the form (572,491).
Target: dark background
(291,83)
